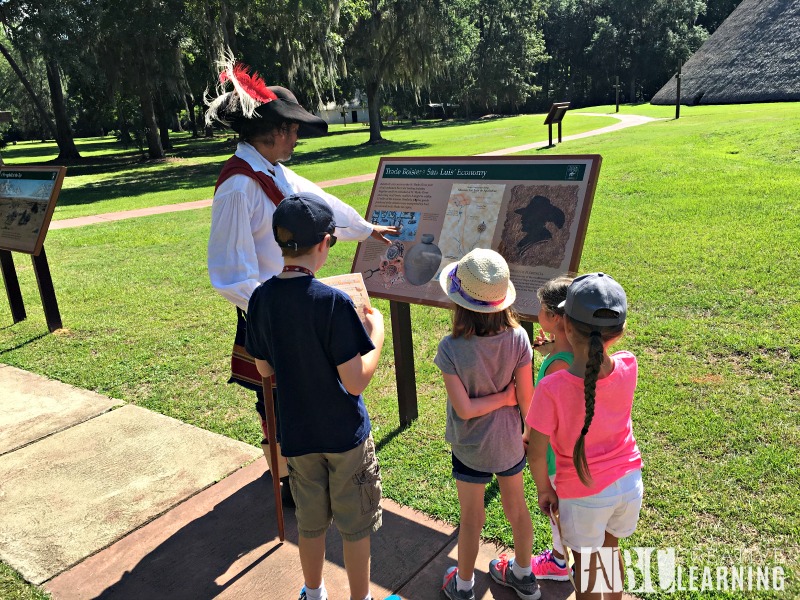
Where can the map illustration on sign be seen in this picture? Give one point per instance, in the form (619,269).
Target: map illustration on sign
(470,219)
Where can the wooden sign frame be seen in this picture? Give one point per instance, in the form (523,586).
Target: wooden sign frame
(555,116)
(28,197)
(534,210)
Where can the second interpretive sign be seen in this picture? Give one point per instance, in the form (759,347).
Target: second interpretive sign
(532,210)
(28,198)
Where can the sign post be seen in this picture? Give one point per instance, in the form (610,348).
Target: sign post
(400,313)
(534,211)
(28,197)
(12,286)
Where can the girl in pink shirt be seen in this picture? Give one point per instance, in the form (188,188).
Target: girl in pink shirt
(584,412)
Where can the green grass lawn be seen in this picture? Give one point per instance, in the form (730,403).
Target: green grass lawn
(113,179)
(699,219)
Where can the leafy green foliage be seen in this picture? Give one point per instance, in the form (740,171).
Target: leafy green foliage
(639,41)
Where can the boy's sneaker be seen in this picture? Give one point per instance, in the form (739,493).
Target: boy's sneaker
(544,567)
(526,588)
(450,589)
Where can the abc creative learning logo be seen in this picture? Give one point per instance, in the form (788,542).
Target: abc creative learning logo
(666,570)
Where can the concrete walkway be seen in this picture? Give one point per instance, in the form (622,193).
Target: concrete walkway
(625,121)
(100,499)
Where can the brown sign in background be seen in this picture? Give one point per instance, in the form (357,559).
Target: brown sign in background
(28,198)
(532,210)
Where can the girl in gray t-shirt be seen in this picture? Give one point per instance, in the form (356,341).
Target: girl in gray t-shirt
(486,366)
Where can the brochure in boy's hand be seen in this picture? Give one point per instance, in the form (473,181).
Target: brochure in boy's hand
(352,284)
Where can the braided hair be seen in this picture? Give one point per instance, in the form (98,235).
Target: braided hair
(598,336)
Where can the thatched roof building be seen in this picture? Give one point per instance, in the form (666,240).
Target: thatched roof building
(754,56)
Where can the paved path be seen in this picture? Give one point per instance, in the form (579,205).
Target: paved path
(100,499)
(625,121)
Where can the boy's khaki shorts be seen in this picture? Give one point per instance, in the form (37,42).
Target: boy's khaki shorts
(345,487)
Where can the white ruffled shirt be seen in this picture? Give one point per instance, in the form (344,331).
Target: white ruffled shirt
(242,251)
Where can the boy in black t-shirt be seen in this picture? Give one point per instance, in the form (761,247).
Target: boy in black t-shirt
(323,358)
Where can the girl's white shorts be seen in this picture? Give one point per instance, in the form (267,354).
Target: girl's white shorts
(585,521)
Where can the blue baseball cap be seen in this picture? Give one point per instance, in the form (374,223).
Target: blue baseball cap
(593,292)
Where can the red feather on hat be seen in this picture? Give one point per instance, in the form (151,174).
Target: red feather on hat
(250,83)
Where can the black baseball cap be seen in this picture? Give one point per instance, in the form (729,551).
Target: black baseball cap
(307,216)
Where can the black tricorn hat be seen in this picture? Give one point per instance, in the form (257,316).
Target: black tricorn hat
(251,100)
(284,108)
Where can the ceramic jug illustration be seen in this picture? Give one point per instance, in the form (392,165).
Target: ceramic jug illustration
(422,261)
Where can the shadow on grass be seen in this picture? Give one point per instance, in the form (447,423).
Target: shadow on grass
(389,437)
(142,183)
(361,151)
(21,344)
(143,180)
(138,176)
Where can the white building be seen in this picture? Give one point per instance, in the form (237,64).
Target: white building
(352,111)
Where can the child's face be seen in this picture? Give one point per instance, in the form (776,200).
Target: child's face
(547,319)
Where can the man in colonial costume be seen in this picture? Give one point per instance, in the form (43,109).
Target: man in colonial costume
(242,251)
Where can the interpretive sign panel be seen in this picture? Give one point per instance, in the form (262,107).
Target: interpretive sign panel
(532,210)
(556,113)
(28,198)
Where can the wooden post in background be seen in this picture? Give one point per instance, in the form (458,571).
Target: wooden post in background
(678,93)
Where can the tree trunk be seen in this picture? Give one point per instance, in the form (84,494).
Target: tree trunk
(208,130)
(125,132)
(226,19)
(39,107)
(163,122)
(66,143)
(374,105)
(154,148)
(190,111)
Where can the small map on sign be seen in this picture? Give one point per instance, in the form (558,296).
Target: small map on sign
(470,220)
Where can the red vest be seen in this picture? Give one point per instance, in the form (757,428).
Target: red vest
(237,166)
(243,368)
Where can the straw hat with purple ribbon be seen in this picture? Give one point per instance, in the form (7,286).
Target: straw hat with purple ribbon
(480,282)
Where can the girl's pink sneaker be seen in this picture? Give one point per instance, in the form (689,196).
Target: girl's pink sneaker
(544,567)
